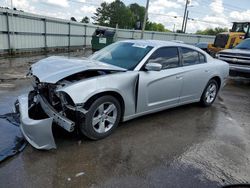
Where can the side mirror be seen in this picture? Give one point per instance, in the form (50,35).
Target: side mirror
(153,66)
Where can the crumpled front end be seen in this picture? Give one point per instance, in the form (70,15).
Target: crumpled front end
(49,77)
(38,132)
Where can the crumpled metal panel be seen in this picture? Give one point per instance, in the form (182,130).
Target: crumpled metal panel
(53,69)
(37,132)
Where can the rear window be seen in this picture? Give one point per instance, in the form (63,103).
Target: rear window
(202,58)
(192,57)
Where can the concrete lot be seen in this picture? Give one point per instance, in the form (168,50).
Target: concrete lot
(188,146)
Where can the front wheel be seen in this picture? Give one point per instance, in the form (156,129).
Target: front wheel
(102,118)
(210,93)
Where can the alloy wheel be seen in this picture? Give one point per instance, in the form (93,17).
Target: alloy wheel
(211,93)
(104,117)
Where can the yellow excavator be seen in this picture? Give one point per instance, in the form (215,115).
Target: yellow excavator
(227,40)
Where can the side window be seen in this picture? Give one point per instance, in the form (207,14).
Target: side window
(192,57)
(168,57)
(202,58)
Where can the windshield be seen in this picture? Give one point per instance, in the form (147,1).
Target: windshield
(122,54)
(245,44)
(240,27)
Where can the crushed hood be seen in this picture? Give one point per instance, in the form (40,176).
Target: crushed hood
(55,68)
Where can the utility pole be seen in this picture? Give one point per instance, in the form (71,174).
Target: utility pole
(145,20)
(184,16)
(186,22)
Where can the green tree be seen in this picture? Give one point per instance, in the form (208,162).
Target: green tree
(121,15)
(112,14)
(85,19)
(138,13)
(152,26)
(210,31)
(101,16)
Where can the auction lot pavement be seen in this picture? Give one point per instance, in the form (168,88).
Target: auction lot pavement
(188,146)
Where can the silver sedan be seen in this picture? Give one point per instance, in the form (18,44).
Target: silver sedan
(123,81)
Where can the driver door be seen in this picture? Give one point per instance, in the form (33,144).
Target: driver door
(160,89)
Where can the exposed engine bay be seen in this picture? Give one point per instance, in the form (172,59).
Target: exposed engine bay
(61,101)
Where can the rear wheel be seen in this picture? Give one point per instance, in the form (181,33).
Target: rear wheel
(102,118)
(210,93)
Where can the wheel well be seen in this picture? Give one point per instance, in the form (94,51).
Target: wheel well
(217,79)
(111,93)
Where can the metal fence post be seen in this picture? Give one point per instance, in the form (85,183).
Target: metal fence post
(69,37)
(8,32)
(133,34)
(85,35)
(175,36)
(152,37)
(45,35)
(12,33)
(199,38)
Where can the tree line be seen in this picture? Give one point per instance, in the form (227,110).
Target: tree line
(211,31)
(131,17)
(126,17)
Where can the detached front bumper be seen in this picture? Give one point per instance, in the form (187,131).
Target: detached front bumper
(39,132)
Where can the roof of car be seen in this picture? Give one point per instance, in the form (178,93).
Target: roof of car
(161,43)
(157,43)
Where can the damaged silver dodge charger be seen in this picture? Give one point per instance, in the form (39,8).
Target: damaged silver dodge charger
(122,81)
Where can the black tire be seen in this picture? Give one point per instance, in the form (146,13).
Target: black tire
(204,99)
(91,131)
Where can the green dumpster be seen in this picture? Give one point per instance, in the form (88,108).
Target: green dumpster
(102,38)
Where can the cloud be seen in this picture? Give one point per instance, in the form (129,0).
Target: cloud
(213,13)
(108,1)
(22,5)
(220,21)
(217,7)
(171,20)
(160,6)
(88,9)
(61,3)
(191,2)
(183,2)
(240,16)
(194,3)
(216,17)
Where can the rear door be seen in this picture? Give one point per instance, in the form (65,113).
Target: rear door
(196,73)
(160,89)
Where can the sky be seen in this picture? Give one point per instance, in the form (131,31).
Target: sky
(202,13)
